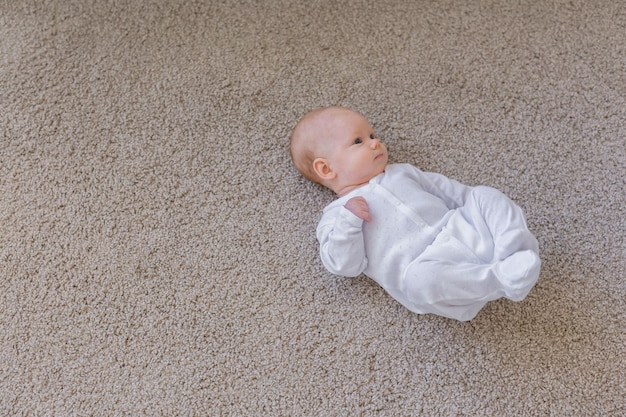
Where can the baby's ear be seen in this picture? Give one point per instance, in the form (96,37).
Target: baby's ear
(323,169)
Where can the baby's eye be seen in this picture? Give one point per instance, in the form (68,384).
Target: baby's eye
(357,141)
(372,136)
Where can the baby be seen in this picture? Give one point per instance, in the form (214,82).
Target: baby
(435,245)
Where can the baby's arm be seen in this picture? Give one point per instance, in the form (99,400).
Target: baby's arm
(340,235)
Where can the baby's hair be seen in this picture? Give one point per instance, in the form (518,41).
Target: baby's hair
(301,145)
(303,140)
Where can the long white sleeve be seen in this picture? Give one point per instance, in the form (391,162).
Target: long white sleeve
(342,248)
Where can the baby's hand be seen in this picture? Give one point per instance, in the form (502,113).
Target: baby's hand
(359,207)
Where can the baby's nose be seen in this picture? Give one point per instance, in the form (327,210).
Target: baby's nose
(375,143)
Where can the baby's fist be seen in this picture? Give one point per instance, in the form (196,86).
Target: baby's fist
(359,207)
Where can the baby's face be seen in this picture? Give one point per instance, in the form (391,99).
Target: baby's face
(353,151)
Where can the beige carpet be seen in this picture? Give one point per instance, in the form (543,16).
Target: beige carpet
(158,252)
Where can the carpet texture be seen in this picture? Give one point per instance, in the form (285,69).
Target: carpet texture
(157,248)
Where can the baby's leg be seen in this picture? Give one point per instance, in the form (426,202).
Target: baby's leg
(459,290)
(499,220)
(515,249)
(448,279)
(460,271)
(451,289)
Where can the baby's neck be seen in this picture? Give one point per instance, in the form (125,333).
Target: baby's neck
(349,189)
(342,190)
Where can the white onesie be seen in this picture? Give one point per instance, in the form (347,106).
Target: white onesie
(434,244)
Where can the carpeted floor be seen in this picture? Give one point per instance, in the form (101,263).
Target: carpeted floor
(158,252)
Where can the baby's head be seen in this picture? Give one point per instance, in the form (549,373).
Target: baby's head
(337,147)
